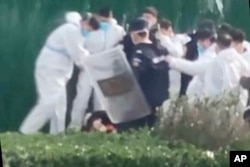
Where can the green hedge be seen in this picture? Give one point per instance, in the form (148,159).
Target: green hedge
(101,150)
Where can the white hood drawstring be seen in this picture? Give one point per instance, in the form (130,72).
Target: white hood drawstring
(73,18)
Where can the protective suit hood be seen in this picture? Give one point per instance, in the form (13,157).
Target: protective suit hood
(231,55)
(228,54)
(73,18)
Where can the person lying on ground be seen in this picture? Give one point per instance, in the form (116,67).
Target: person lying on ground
(98,121)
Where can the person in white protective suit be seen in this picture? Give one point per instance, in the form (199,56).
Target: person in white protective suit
(197,68)
(238,41)
(223,73)
(227,28)
(108,36)
(238,37)
(53,69)
(226,70)
(112,32)
(175,43)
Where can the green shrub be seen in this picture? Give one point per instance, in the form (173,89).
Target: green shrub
(102,150)
(210,124)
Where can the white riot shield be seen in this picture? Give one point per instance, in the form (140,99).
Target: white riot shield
(116,86)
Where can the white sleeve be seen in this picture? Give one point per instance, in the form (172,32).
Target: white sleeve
(73,42)
(174,49)
(121,32)
(214,80)
(182,38)
(246,56)
(189,67)
(245,64)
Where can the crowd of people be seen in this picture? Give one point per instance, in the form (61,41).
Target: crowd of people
(209,61)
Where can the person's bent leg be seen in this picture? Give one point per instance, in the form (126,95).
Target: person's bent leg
(37,118)
(42,111)
(97,102)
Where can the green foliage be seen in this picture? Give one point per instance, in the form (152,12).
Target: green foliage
(102,150)
(209,123)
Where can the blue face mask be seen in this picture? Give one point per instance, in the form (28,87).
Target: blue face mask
(85,33)
(200,49)
(104,26)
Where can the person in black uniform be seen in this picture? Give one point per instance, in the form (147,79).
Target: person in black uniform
(151,71)
(150,14)
(192,52)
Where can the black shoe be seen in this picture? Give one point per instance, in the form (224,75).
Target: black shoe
(246,115)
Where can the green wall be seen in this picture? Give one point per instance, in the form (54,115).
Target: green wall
(24,25)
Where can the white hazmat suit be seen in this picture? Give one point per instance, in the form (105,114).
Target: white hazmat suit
(53,69)
(97,42)
(196,69)
(246,45)
(224,74)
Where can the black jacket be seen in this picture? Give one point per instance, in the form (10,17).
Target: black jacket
(129,46)
(153,77)
(192,54)
(192,51)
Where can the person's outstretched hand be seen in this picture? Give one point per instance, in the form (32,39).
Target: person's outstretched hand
(168,59)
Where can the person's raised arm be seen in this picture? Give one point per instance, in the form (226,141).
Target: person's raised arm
(173,48)
(188,67)
(73,42)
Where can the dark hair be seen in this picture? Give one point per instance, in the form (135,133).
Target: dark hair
(97,115)
(86,16)
(94,23)
(138,24)
(165,23)
(92,20)
(224,40)
(238,35)
(225,28)
(105,12)
(142,34)
(151,10)
(246,115)
(205,34)
(206,24)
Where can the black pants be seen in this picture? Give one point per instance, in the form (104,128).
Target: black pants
(185,80)
(245,83)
